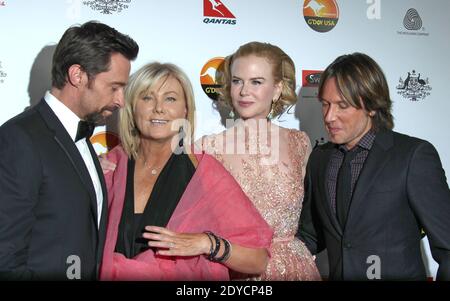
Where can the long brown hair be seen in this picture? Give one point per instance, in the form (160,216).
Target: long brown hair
(361,81)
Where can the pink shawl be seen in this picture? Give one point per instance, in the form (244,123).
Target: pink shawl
(212,201)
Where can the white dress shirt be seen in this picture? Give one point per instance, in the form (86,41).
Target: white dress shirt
(70,122)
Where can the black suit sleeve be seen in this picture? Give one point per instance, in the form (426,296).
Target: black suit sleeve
(309,230)
(429,196)
(19,189)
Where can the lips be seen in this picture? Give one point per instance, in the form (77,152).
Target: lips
(245,104)
(158,121)
(333,131)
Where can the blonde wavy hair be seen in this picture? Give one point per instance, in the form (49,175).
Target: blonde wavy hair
(139,83)
(283,70)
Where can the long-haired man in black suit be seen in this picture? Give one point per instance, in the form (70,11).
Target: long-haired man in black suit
(370,192)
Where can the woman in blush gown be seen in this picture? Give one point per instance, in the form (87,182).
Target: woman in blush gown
(268,161)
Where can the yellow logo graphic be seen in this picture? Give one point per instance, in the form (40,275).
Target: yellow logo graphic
(321,15)
(208,76)
(103,142)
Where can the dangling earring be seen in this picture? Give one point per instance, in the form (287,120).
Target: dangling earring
(231,114)
(134,132)
(270,116)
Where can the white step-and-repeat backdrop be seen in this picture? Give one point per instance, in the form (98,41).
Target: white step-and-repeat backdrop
(408,38)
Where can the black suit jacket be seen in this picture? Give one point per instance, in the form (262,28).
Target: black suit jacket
(401,189)
(48,208)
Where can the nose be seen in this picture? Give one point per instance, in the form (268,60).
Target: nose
(329,113)
(120,99)
(244,89)
(158,108)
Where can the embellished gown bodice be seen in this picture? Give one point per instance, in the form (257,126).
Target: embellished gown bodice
(270,170)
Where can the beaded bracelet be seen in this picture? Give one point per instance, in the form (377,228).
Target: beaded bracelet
(229,251)
(226,252)
(211,248)
(214,252)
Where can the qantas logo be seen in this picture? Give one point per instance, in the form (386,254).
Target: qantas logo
(216,12)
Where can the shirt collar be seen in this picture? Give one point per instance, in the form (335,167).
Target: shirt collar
(365,142)
(68,118)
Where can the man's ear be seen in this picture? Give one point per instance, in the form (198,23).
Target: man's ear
(75,75)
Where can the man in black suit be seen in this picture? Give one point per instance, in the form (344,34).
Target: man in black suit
(370,192)
(53,203)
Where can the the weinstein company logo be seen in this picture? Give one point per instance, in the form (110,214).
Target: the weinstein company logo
(412,22)
(107,7)
(310,83)
(2,74)
(208,76)
(321,15)
(413,87)
(216,12)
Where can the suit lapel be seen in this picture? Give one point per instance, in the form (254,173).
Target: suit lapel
(104,213)
(375,162)
(325,161)
(102,183)
(67,145)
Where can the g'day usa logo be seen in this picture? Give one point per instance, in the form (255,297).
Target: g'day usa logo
(208,75)
(216,12)
(321,15)
(413,87)
(107,7)
(2,74)
(103,142)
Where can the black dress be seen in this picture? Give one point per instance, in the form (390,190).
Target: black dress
(164,198)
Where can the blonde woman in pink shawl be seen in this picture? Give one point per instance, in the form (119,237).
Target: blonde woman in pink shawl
(173,215)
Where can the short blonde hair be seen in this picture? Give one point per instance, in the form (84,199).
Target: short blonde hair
(140,82)
(283,70)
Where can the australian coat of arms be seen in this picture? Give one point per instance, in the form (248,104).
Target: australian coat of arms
(413,87)
(107,7)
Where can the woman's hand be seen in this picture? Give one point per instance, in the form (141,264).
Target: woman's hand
(177,244)
(106,165)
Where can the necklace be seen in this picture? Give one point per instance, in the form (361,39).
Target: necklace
(153,170)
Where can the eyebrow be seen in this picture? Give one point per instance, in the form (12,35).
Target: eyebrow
(253,78)
(336,100)
(118,83)
(169,92)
